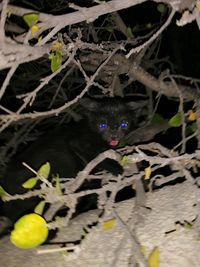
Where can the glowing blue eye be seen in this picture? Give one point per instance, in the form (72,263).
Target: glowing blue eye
(124,125)
(103,125)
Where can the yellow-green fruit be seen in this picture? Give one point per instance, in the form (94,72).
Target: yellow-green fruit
(29,231)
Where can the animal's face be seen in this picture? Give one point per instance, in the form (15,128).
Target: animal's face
(112,127)
(111,118)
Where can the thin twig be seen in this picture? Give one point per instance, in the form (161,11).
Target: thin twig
(139,48)
(7,80)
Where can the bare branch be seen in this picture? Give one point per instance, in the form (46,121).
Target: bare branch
(17,116)
(154,36)
(3,20)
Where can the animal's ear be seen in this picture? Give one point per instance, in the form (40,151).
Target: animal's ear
(136,105)
(140,110)
(89,104)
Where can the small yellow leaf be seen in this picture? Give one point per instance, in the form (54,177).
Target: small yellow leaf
(56,46)
(58,218)
(191,115)
(154,258)
(29,231)
(198,238)
(30,183)
(40,207)
(124,160)
(147,172)
(198,6)
(8,11)
(133,185)
(44,170)
(142,250)
(109,224)
(34,29)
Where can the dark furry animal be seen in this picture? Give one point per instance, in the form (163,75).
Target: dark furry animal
(69,149)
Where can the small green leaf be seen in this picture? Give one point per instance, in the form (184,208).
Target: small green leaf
(129,33)
(109,28)
(30,183)
(58,188)
(40,208)
(2,192)
(31,19)
(161,8)
(176,120)
(124,160)
(44,170)
(149,25)
(158,119)
(194,126)
(191,128)
(56,60)
(143,250)
(187,226)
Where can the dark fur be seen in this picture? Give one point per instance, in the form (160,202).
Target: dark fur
(68,149)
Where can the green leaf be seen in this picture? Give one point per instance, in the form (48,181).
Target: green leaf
(161,8)
(30,183)
(2,192)
(158,119)
(31,19)
(44,170)
(176,120)
(58,188)
(187,226)
(40,207)
(56,60)
(194,126)
(149,25)
(124,160)
(191,128)
(129,33)
(109,28)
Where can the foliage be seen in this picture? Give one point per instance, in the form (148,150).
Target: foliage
(43,172)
